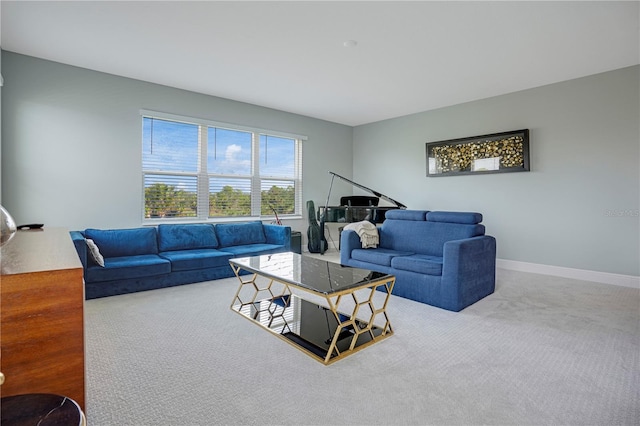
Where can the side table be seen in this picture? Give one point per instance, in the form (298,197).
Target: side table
(41,409)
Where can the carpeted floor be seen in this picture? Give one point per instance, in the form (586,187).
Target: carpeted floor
(540,351)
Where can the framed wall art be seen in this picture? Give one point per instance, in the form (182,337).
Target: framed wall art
(494,153)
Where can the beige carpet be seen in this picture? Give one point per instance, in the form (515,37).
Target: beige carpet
(540,351)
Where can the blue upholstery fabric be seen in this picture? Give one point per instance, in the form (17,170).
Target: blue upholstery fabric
(252,249)
(97,289)
(469,271)
(233,234)
(379,256)
(124,242)
(424,237)
(421,288)
(186,262)
(399,214)
(81,246)
(455,217)
(183,237)
(116,268)
(423,264)
(278,234)
(182,260)
(449,262)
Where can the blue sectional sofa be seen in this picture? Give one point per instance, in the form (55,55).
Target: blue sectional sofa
(147,258)
(443,259)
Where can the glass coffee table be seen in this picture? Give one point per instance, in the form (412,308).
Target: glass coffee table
(326,310)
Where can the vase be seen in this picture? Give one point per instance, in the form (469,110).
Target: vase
(7,226)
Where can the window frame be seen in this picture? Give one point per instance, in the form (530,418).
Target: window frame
(203,175)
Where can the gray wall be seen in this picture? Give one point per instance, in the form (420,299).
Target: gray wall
(72,142)
(577,208)
(0,125)
(71,157)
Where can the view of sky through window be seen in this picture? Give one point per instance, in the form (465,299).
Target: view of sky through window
(229,152)
(173,146)
(277,156)
(190,168)
(169,145)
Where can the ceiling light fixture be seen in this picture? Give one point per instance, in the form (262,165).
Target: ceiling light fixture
(350,43)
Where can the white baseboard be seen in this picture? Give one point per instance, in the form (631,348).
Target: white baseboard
(578,274)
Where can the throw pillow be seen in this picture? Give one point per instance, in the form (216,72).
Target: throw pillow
(94,252)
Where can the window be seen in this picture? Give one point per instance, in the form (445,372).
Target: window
(200,170)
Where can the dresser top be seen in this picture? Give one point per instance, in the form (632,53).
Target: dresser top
(46,249)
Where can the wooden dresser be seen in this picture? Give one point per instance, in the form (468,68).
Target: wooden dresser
(42,315)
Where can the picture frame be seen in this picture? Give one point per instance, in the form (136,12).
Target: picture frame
(504,152)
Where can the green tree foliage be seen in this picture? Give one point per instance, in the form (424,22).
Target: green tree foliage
(162,200)
(282,199)
(229,202)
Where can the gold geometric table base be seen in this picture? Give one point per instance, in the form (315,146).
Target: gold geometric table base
(356,317)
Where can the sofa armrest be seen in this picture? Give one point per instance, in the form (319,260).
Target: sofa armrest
(468,271)
(349,241)
(278,234)
(81,247)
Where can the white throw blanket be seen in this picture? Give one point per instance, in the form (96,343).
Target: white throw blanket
(367,232)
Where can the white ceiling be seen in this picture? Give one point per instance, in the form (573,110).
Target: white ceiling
(410,56)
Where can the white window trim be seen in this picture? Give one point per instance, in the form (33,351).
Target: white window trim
(219,124)
(203,190)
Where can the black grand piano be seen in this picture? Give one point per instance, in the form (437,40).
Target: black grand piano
(356,208)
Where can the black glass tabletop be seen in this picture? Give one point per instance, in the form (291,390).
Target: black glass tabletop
(309,272)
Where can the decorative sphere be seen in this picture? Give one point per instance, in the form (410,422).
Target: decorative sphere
(7,226)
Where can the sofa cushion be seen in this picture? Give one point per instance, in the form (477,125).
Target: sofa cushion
(124,242)
(235,234)
(455,217)
(400,214)
(378,256)
(185,260)
(186,237)
(252,249)
(126,267)
(420,263)
(424,237)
